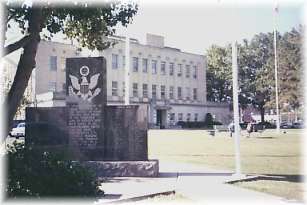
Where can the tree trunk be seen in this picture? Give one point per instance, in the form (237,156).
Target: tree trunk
(262,114)
(25,67)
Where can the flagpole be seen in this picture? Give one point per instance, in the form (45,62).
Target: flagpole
(236,108)
(276,70)
(127,69)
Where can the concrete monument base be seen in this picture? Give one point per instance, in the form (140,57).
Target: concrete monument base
(148,168)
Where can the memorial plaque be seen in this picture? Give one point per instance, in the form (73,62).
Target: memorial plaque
(86,98)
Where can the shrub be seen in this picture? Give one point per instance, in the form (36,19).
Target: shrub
(36,173)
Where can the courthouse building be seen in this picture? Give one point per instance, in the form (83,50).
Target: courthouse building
(171,82)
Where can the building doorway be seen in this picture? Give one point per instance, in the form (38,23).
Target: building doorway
(161,118)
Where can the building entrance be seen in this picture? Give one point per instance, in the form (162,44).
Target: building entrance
(161,119)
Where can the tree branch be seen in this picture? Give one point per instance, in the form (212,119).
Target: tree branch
(17,45)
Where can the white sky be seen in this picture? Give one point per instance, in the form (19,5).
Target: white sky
(193,26)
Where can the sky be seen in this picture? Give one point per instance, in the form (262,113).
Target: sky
(193,26)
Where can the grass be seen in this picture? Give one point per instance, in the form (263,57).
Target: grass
(277,156)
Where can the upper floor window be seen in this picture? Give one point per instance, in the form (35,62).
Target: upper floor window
(114,61)
(179,73)
(53,63)
(188,93)
(154,91)
(135,90)
(135,64)
(154,66)
(114,88)
(163,68)
(195,71)
(194,93)
(187,71)
(179,93)
(171,69)
(162,91)
(145,90)
(145,65)
(171,92)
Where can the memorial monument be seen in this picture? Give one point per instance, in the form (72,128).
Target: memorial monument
(112,140)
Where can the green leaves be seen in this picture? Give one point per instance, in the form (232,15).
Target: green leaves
(256,71)
(88,23)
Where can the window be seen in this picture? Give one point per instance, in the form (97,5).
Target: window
(171,69)
(135,64)
(154,66)
(179,74)
(114,88)
(124,89)
(195,117)
(188,117)
(188,93)
(52,86)
(194,93)
(172,117)
(53,63)
(145,65)
(171,92)
(180,116)
(135,90)
(145,90)
(114,61)
(124,61)
(187,71)
(195,72)
(154,91)
(62,63)
(179,93)
(162,91)
(163,68)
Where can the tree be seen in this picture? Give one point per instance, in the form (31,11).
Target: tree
(87,23)
(219,77)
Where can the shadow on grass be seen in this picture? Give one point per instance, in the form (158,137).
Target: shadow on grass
(265,138)
(274,177)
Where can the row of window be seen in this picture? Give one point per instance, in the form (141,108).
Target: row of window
(180,117)
(154,66)
(154,90)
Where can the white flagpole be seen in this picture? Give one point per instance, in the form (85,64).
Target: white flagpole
(127,69)
(276,70)
(236,108)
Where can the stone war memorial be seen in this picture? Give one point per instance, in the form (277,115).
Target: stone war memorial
(110,139)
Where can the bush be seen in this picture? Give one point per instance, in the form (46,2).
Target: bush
(43,174)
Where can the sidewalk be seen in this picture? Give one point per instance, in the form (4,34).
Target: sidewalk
(198,183)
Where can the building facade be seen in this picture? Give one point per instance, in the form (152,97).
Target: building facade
(171,82)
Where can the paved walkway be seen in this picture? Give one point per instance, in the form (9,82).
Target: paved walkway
(198,183)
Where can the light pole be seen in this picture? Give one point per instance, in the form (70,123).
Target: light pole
(236,108)
(276,70)
(127,69)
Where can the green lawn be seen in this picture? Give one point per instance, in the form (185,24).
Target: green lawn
(277,156)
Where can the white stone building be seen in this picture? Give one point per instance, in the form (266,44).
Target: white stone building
(171,82)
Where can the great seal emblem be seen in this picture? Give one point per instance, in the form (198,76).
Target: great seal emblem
(84,89)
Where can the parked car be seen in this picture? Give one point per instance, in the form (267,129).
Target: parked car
(286,125)
(18,131)
(298,125)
